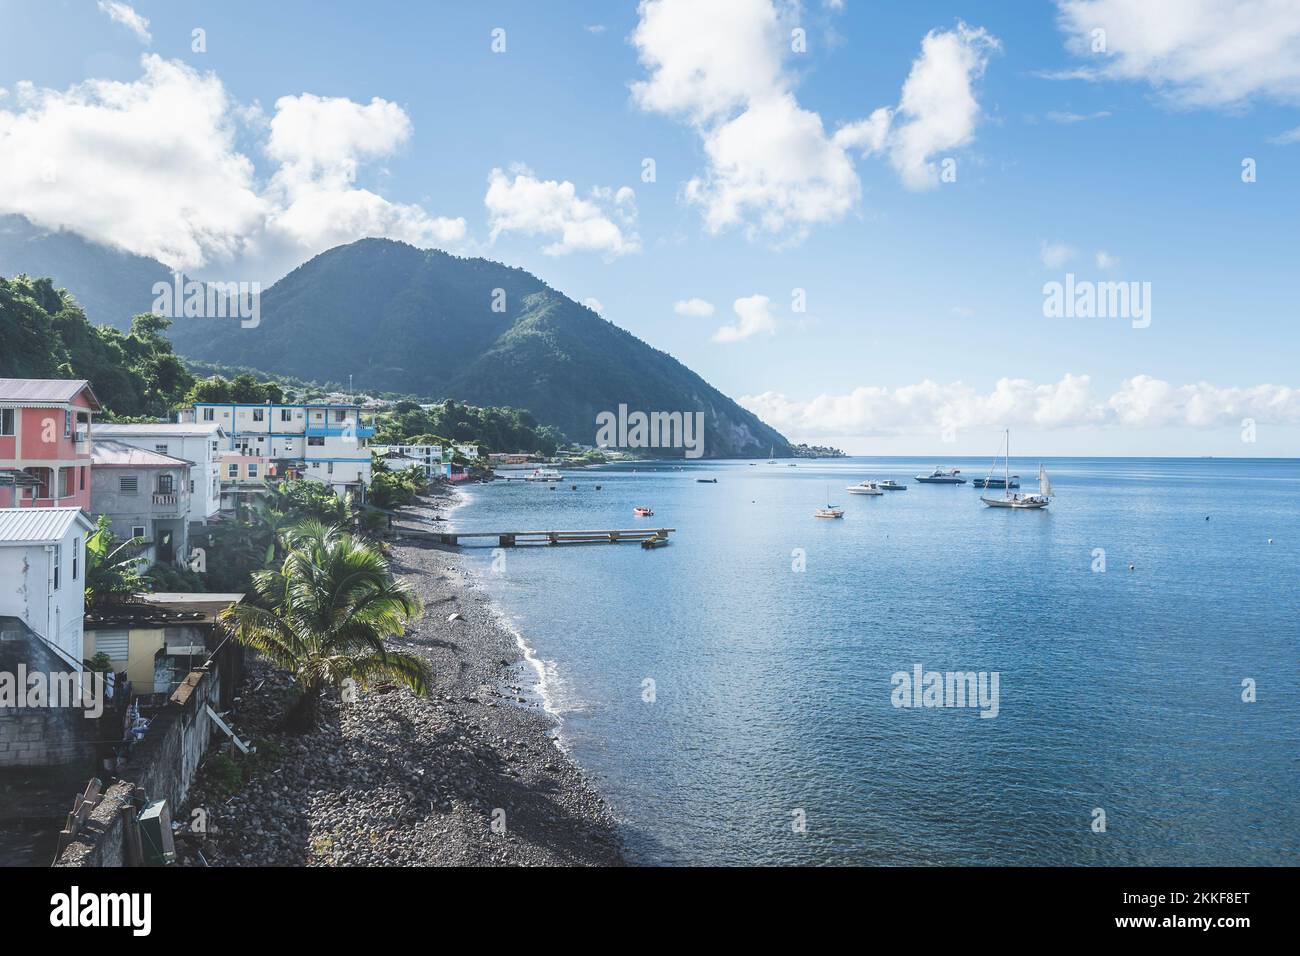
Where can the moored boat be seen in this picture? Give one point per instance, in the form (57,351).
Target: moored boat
(890,485)
(544,474)
(1012,481)
(942,476)
(864,488)
(1017,501)
(642,512)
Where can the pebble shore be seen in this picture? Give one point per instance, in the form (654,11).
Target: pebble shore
(468,776)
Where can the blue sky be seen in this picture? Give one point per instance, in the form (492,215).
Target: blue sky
(1123,164)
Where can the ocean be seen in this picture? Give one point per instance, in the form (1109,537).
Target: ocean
(737,696)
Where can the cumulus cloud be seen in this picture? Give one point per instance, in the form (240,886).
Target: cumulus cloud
(1140,402)
(773,167)
(695,307)
(753,316)
(1066,117)
(1287,138)
(152,166)
(1196,53)
(123,13)
(1105,260)
(594,304)
(604,223)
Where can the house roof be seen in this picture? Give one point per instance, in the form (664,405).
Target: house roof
(45,391)
(107,453)
(177,429)
(40,525)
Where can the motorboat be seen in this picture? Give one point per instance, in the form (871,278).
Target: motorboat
(890,485)
(544,474)
(942,476)
(642,512)
(864,488)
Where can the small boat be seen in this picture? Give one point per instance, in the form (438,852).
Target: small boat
(1011,481)
(864,488)
(707,481)
(830,511)
(890,485)
(942,476)
(1020,502)
(770,452)
(544,474)
(658,541)
(642,512)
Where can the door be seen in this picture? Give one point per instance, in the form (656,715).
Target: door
(166,551)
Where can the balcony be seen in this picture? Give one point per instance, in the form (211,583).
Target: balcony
(164,499)
(340,430)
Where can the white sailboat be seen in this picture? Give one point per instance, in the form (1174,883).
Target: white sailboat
(1016,500)
(770,452)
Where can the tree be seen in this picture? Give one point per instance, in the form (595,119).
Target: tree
(324,616)
(112,569)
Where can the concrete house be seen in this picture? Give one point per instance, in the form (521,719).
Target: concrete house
(45,442)
(144,494)
(326,442)
(42,574)
(428,457)
(201,444)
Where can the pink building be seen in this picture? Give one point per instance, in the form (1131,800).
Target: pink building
(45,442)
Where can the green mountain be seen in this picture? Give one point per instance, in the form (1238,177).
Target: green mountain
(401,319)
(109,285)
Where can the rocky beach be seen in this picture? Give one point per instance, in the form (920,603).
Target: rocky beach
(470,775)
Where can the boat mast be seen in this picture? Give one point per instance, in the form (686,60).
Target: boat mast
(1006,474)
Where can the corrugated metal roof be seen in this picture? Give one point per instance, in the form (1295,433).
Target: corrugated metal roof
(105,452)
(181,430)
(44,390)
(39,525)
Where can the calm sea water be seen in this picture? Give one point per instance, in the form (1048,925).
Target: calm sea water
(1119,690)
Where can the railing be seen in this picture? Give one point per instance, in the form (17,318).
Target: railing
(164,499)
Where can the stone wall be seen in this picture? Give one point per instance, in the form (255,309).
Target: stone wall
(39,736)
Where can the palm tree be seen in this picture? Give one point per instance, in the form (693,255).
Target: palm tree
(112,568)
(326,612)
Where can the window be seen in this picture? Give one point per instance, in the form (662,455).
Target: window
(76,555)
(6,421)
(166,484)
(160,449)
(286,414)
(191,486)
(329,468)
(67,423)
(259,414)
(58,564)
(252,469)
(137,531)
(214,446)
(82,469)
(128,484)
(315,440)
(208,415)
(116,644)
(340,415)
(232,471)
(65,482)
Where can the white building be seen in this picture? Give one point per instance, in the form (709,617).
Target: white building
(429,457)
(328,439)
(43,574)
(199,443)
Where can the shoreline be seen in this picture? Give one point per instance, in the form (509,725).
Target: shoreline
(473,774)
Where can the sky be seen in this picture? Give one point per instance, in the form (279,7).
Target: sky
(852,217)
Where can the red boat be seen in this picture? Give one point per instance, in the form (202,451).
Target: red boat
(642,512)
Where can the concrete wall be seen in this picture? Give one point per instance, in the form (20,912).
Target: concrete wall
(163,764)
(40,736)
(27,590)
(127,510)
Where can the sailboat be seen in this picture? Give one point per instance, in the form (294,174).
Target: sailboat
(770,452)
(1011,499)
(830,511)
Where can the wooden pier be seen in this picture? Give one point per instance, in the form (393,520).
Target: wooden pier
(509,539)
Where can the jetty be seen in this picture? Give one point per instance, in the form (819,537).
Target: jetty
(509,539)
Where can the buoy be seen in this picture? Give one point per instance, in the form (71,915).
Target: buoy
(1270,540)
(1131,567)
(573,487)
(1207,517)
(598,487)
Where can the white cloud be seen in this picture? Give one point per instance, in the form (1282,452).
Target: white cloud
(1105,260)
(1055,254)
(1287,138)
(152,166)
(938,106)
(928,407)
(604,223)
(123,13)
(1196,53)
(594,304)
(696,308)
(1066,117)
(773,168)
(753,315)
